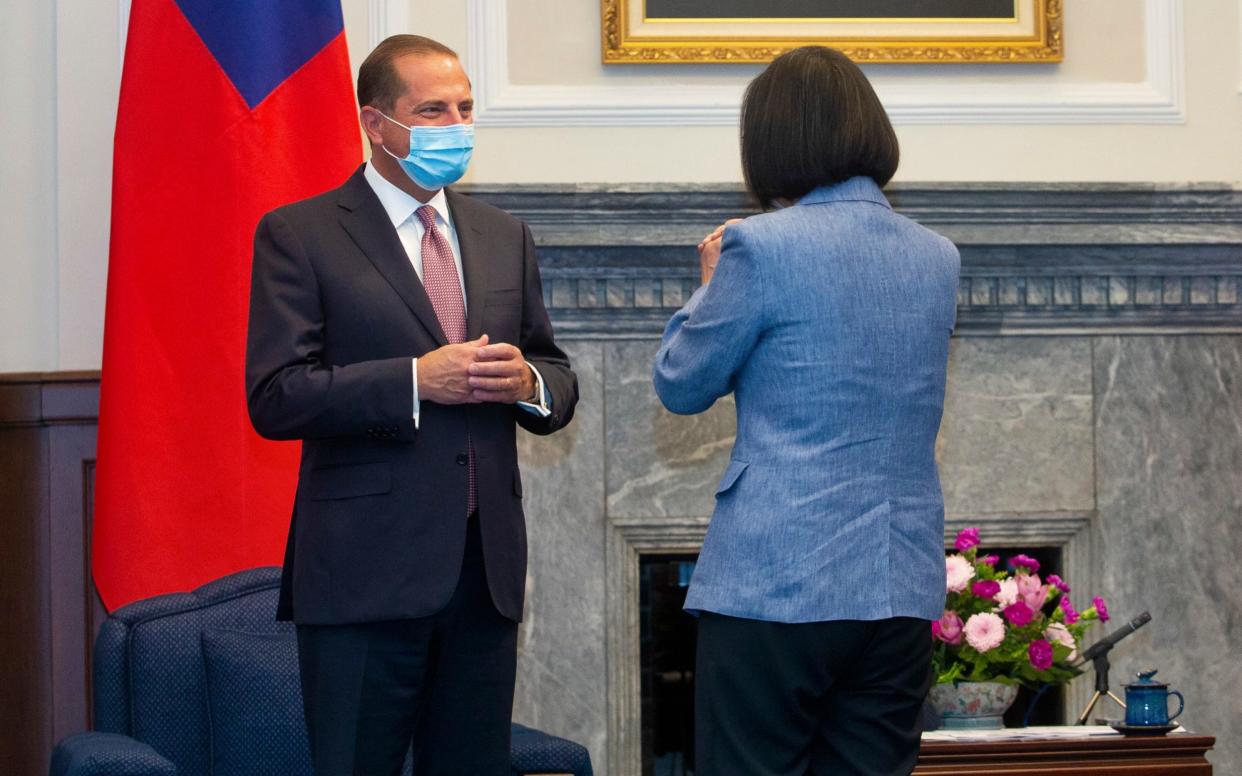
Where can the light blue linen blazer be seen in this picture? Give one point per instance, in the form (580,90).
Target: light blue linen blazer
(829,321)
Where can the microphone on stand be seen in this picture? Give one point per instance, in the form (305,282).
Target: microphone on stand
(1109,641)
(1097,654)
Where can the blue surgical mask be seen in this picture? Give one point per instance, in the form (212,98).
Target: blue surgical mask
(438,155)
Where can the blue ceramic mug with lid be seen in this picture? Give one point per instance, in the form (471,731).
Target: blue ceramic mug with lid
(1147,701)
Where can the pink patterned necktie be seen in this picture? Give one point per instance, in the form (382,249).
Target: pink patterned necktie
(444,288)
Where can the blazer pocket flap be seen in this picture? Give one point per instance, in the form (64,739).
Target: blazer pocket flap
(504,296)
(731,474)
(368,479)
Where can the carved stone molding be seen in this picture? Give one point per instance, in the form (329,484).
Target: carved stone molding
(1036,258)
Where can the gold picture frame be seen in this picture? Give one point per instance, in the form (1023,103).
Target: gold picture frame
(630,36)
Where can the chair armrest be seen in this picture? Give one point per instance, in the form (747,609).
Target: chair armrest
(108,754)
(535,752)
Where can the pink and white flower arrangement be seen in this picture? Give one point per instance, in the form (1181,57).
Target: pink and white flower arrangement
(958,572)
(1008,593)
(998,626)
(984,632)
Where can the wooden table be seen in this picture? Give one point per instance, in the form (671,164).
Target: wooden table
(1177,755)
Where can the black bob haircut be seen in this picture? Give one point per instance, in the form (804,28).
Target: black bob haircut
(812,119)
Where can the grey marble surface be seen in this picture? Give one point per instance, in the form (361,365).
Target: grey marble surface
(1139,437)
(1016,434)
(561,670)
(1125,451)
(659,464)
(1169,529)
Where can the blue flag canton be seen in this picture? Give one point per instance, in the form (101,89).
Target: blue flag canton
(260,43)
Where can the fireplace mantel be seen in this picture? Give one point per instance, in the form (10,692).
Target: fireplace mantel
(1037,259)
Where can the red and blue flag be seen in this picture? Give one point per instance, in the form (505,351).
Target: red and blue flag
(228,108)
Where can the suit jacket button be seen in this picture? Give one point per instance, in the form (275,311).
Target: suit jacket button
(462,459)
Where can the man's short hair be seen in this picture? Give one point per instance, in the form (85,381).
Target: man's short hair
(379,84)
(812,119)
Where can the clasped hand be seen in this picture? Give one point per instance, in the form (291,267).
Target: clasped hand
(475,372)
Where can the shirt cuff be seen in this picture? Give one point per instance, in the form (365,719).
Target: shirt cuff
(543,408)
(414,374)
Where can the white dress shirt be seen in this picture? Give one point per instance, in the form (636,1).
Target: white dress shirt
(400,208)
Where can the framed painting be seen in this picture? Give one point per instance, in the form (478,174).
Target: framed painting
(755,31)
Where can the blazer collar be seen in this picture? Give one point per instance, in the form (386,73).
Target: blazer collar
(857,189)
(368,224)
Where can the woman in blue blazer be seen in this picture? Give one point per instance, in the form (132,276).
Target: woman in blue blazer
(828,317)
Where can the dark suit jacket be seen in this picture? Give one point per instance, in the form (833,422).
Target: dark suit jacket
(336,313)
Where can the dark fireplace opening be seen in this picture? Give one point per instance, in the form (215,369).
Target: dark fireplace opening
(667,637)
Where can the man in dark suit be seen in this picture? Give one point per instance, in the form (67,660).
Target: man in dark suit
(397,328)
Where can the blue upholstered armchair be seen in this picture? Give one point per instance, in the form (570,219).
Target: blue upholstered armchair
(206,684)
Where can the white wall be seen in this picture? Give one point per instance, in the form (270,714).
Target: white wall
(27,188)
(1151,90)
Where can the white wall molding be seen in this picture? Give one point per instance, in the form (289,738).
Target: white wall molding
(1159,99)
(384,18)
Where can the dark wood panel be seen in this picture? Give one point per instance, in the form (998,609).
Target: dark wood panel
(49,610)
(74,603)
(19,401)
(1176,755)
(25,671)
(71,401)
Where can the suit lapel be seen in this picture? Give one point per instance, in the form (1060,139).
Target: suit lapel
(474,257)
(364,219)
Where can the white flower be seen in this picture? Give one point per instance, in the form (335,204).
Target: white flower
(1008,594)
(1059,634)
(958,572)
(984,631)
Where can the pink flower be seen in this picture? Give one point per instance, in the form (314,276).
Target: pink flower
(991,560)
(1058,583)
(966,539)
(948,628)
(1100,608)
(1008,592)
(1071,614)
(1025,562)
(1058,633)
(984,631)
(1040,654)
(958,572)
(1018,614)
(987,588)
(1031,591)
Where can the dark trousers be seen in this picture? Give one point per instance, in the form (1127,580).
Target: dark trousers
(443,682)
(824,698)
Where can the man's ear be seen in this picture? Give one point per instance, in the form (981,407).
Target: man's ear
(371,121)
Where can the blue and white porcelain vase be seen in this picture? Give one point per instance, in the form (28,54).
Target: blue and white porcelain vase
(972,705)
